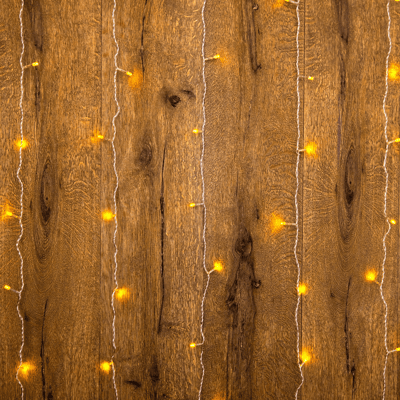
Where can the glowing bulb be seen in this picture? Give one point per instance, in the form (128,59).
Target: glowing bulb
(192,204)
(216,56)
(393,222)
(6,212)
(6,287)
(100,137)
(106,366)
(25,368)
(302,289)
(310,78)
(311,149)
(192,345)
(129,73)
(305,356)
(108,215)
(370,275)
(218,266)
(195,131)
(276,223)
(398,139)
(122,294)
(393,72)
(35,64)
(21,144)
(397,348)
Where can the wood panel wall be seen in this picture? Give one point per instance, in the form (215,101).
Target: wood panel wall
(249,174)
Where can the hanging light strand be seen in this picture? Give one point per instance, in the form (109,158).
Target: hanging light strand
(204,59)
(115,198)
(299,361)
(21,199)
(385,199)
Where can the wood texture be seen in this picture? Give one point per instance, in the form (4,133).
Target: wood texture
(249,173)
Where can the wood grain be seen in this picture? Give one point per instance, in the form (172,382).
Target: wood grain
(249,175)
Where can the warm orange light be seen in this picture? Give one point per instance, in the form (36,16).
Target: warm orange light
(310,78)
(216,56)
(305,356)
(393,222)
(192,204)
(106,366)
(311,149)
(96,137)
(302,289)
(122,294)
(6,212)
(129,73)
(6,287)
(135,81)
(25,368)
(108,215)
(20,144)
(397,348)
(393,72)
(195,131)
(370,275)
(276,223)
(192,345)
(398,139)
(218,266)
(35,64)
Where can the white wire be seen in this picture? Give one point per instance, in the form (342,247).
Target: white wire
(115,197)
(203,193)
(21,198)
(296,200)
(385,197)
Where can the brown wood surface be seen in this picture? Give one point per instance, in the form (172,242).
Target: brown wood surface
(249,173)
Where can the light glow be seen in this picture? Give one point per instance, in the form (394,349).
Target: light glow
(305,356)
(192,204)
(393,222)
(276,223)
(106,366)
(218,266)
(371,275)
(21,144)
(25,368)
(108,215)
(192,345)
(6,287)
(393,72)
(35,64)
(302,289)
(122,294)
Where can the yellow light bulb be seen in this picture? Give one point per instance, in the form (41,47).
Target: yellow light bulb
(195,131)
(6,212)
(21,144)
(129,73)
(311,149)
(192,204)
(310,78)
(302,289)
(25,368)
(100,137)
(398,139)
(393,72)
(192,345)
(105,366)
(393,222)
(305,356)
(397,348)
(107,215)
(35,64)
(276,223)
(6,287)
(216,56)
(218,266)
(122,294)
(370,275)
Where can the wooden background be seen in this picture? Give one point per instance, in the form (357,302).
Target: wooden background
(249,164)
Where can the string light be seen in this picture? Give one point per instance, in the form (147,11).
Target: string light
(21,366)
(216,57)
(196,131)
(299,359)
(195,204)
(34,64)
(21,144)
(9,288)
(393,222)
(108,215)
(122,294)
(310,78)
(125,72)
(115,195)
(302,289)
(371,275)
(310,149)
(105,366)
(393,72)
(397,140)
(304,357)
(385,198)
(25,368)
(218,266)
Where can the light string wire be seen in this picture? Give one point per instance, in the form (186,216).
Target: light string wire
(296,199)
(203,192)
(21,198)
(115,198)
(385,197)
